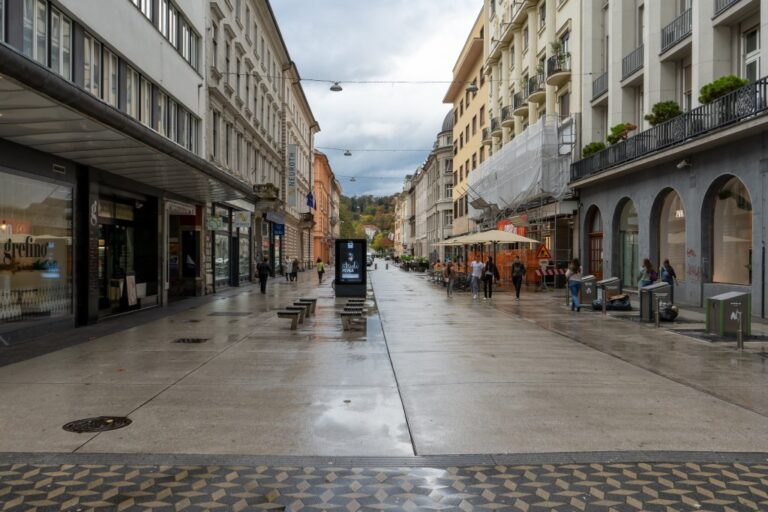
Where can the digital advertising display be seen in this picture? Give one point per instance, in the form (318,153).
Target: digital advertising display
(350,267)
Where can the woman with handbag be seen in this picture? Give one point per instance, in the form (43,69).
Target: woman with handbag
(573,275)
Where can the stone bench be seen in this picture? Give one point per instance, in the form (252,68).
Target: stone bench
(293,315)
(307,307)
(300,309)
(313,302)
(348,318)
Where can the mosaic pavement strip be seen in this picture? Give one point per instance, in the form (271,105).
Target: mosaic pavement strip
(718,487)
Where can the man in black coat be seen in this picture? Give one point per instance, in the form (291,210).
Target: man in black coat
(263,270)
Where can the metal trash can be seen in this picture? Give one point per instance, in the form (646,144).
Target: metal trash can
(648,300)
(609,287)
(588,289)
(724,310)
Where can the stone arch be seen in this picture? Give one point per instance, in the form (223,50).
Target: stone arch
(626,242)
(594,233)
(668,230)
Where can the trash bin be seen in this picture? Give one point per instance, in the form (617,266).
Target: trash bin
(723,314)
(588,289)
(648,300)
(609,287)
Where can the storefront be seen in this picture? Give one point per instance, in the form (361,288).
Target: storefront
(231,232)
(184,225)
(36,262)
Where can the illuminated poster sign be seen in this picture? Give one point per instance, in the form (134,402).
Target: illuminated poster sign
(353,264)
(292,157)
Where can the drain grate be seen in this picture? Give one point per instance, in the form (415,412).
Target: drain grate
(99,424)
(229,313)
(190,340)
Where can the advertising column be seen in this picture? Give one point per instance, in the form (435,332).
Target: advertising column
(351,269)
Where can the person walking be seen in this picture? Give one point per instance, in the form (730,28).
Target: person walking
(295,267)
(448,276)
(288,268)
(647,274)
(573,275)
(518,272)
(263,270)
(669,276)
(477,275)
(490,273)
(320,270)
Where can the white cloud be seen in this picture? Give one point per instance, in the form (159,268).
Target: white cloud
(372,40)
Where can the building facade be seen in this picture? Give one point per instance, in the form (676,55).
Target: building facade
(420,195)
(470,117)
(104,211)
(691,188)
(322,233)
(439,176)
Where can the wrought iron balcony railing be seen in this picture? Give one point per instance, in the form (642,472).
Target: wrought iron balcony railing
(721,5)
(495,125)
(486,133)
(518,101)
(535,84)
(677,30)
(633,62)
(560,63)
(744,103)
(600,86)
(506,114)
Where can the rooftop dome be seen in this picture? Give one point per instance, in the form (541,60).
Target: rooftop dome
(448,122)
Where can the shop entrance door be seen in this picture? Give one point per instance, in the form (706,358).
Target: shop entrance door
(630,259)
(234,258)
(183,256)
(596,255)
(116,257)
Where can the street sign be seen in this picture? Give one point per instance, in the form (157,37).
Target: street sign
(543,253)
(278,229)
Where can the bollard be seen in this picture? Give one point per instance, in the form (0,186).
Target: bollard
(375,266)
(386,266)
(605,302)
(739,330)
(658,310)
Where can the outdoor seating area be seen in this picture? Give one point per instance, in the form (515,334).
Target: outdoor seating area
(298,311)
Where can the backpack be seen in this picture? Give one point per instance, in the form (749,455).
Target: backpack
(654,276)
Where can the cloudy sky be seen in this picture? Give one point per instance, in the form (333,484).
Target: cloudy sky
(373,40)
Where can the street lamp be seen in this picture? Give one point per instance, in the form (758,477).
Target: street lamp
(336,87)
(472,88)
(347,153)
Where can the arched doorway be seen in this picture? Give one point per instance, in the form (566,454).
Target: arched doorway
(731,231)
(628,241)
(595,242)
(671,232)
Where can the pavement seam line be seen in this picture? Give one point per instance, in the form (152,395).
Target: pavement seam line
(394,372)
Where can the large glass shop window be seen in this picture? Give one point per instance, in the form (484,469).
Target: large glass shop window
(35,249)
(732,248)
(221,249)
(629,246)
(672,234)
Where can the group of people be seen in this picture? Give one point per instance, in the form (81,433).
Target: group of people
(291,267)
(488,273)
(291,270)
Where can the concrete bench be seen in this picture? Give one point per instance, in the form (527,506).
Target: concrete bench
(307,307)
(310,301)
(299,309)
(354,308)
(348,318)
(293,315)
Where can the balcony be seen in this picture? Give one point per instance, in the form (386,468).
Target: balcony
(559,69)
(507,118)
(632,63)
(744,103)
(723,5)
(535,89)
(496,130)
(600,86)
(306,220)
(487,136)
(677,30)
(333,219)
(520,105)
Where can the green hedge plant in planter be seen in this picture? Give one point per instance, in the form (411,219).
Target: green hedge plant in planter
(592,148)
(663,111)
(720,88)
(620,132)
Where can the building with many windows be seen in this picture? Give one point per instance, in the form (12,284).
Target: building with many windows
(439,176)
(326,212)
(688,183)
(103,164)
(468,93)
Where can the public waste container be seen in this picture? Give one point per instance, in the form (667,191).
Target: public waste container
(724,310)
(609,287)
(588,289)
(648,300)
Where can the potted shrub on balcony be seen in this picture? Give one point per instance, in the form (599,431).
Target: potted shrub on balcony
(559,54)
(592,148)
(720,87)
(620,133)
(663,111)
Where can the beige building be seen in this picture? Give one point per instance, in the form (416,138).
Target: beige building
(439,175)
(469,96)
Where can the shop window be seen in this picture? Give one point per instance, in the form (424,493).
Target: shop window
(629,257)
(61,44)
(732,231)
(672,233)
(35,249)
(35,30)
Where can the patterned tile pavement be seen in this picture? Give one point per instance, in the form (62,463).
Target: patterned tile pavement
(667,487)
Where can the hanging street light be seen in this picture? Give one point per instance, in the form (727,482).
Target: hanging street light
(347,153)
(472,88)
(336,87)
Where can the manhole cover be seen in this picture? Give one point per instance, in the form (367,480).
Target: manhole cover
(191,340)
(100,424)
(229,313)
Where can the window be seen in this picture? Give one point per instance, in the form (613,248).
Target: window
(215,46)
(732,247)
(474,125)
(247,22)
(247,97)
(238,9)
(215,143)
(629,250)
(182,136)
(2,21)
(482,115)
(162,106)
(687,89)
(162,19)
(110,85)
(227,68)
(61,44)
(542,15)
(146,8)
(237,77)
(474,161)
(172,119)
(448,219)
(227,144)
(564,105)
(173,23)
(672,233)
(461,141)
(461,108)
(92,65)
(146,102)
(751,44)
(482,155)
(525,38)
(184,41)
(132,93)
(35,30)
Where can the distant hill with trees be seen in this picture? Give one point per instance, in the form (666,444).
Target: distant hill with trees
(379,211)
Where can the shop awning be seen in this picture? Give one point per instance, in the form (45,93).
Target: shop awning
(495,236)
(43,111)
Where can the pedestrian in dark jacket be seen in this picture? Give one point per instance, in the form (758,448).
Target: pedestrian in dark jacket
(490,273)
(669,276)
(263,269)
(518,272)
